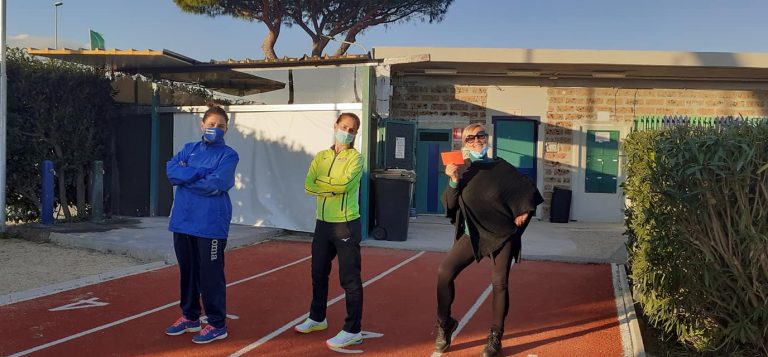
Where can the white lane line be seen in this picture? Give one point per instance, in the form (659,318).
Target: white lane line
(35,293)
(471,312)
(301,318)
(145,313)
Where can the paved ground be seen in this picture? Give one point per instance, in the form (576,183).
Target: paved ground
(28,265)
(557,309)
(144,245)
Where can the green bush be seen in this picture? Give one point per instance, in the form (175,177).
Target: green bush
(57,111)
(698,233)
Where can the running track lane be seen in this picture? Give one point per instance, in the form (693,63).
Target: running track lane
(127,297)
(556,309)
(259,303)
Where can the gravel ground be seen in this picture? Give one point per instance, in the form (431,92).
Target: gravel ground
(27,265)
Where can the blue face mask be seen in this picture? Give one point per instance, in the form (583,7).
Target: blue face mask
(476,155)
(213,135)
(343,137)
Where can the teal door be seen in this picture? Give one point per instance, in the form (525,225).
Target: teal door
(430,172)
(514,140)
(602,162)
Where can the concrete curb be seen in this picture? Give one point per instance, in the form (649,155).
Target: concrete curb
(147,253)
(78,283)
(631,339)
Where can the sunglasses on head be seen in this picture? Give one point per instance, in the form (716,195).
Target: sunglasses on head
(480,136)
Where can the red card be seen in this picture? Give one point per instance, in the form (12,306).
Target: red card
(452,157)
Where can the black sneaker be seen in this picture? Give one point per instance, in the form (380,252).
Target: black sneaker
(444,333)
(493,347)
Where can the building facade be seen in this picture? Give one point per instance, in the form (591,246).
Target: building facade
(560,116)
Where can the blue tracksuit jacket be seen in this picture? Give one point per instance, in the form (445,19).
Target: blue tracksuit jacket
(202,173)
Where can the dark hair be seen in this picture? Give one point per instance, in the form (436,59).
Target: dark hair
(214,109)
(354,118)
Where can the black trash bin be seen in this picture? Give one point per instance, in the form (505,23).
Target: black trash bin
(393,190)
(560,210)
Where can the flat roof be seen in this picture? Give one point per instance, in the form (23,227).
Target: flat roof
(166,65)
(597,57)
(553,63)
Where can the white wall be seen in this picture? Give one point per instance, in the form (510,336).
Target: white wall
(276,145)
(596,207)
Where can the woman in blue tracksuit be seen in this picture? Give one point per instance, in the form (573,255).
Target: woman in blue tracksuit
(203,172)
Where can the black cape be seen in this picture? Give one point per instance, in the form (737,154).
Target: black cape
(488,197)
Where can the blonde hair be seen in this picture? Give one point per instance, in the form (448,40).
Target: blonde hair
(469,127)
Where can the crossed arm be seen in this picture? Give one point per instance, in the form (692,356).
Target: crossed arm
(324,186)
(205,182)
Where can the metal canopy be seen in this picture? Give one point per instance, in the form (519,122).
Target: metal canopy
(226,81)
(118,60)
(166,65)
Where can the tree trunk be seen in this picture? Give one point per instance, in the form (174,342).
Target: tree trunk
(63,193)
(349,38)
(32,197)
(62,181)
(318,46)
(268,46)
(80,180)
(341,50)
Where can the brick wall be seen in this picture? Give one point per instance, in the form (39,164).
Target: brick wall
(412,101)
(571,107)
(446,105)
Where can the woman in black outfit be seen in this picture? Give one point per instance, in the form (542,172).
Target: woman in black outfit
(490,204)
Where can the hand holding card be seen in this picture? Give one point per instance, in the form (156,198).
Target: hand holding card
(452,157)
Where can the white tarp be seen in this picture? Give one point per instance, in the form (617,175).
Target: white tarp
(276,145)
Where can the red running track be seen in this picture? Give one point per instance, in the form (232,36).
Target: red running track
(556,309)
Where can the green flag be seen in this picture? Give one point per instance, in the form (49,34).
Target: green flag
(97,41)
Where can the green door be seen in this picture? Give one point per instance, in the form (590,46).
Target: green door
(515,141)
(430,172)
(602,161)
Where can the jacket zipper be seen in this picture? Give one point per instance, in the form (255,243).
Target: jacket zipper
(322,210)
(322,214)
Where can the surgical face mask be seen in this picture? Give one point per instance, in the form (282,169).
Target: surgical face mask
(343,137)
(475,155)
(213,135)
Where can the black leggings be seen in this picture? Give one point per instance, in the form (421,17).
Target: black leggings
(459,257)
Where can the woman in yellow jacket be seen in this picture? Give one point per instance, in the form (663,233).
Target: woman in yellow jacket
(334,179)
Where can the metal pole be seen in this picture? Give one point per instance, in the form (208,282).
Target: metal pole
(56,23)
(368,106)
(154,148)
(46,216)
(3,112)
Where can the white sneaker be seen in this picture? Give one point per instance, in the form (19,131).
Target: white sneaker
(310,325)
(344,339)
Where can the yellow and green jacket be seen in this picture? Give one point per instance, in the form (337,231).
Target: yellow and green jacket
(335,179)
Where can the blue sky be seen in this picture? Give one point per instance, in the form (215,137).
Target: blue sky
(685,25)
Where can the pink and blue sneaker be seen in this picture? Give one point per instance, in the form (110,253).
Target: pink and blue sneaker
(181,326)
(210,334)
